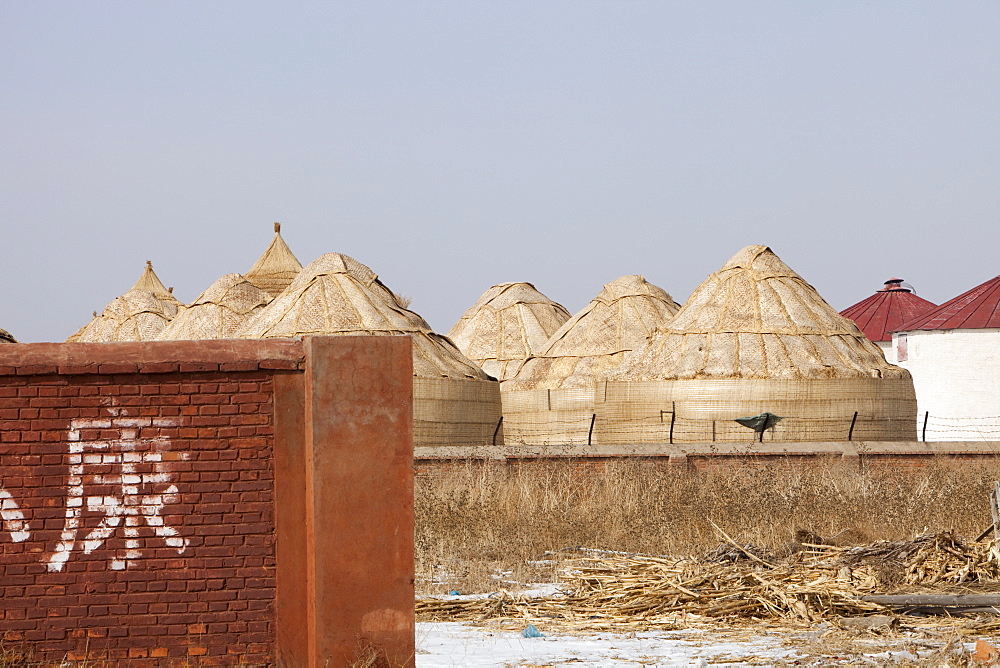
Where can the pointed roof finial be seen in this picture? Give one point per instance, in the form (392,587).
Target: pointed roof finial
(150,281)
(274,270)
(756,319)
(879,315)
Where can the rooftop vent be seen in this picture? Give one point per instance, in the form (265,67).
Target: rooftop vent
(897,285)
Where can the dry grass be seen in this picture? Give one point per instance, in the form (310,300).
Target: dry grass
(13,655)
(487,522)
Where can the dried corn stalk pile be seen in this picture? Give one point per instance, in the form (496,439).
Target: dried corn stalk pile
(637,591)
(928,561)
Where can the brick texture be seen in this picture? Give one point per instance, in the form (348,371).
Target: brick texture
(138,511)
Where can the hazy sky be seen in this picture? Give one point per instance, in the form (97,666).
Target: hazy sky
(454,145)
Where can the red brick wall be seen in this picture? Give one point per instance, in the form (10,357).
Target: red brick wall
(138,497)
(206,435)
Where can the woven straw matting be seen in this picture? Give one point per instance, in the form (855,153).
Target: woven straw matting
(549,417)
(552,398)
(455,402)
(75,336)
(703,410)
(755,337)
(5,337)
(336,294)
(276,268)
(456,412)
(756,318)
(138,315)
(595,340)
(625,413)
(218,311)
(151,282)
(508,323)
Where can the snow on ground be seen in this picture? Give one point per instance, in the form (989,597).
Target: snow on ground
(458,644)
(454,644)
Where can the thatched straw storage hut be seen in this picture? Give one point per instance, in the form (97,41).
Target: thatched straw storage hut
(276,268)
(553,396)
(218,311)
(148,280)
(5,337)
(509,323)
(754,337)
(455,402)
(138,315)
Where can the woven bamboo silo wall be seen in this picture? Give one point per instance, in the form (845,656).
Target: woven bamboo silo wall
(455,402)
(510,322)
(276,268)
(138,315)
(218,311)
(755,337)
(553,397)
(450,411)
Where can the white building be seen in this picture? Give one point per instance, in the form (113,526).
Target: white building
(879,315)
(953,353)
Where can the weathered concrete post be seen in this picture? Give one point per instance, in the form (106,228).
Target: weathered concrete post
(359,479)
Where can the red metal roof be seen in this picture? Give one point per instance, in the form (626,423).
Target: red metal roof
(881,314)
(979,308)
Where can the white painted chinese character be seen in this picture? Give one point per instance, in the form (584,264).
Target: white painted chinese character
(138,463)
(13,519)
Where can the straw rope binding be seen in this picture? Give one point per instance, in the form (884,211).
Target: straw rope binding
(510,322)
(553,397)
(755,337)
(138,315)
(218,312)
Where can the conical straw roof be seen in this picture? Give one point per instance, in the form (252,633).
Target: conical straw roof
(5,337)
(510,322)
(595,340)
(218,311)
(151,282)
(75,336)
(276,268)
(756,318)
(138,315)
(336,294)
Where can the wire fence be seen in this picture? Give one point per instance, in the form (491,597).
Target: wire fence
(938,428)
(589,427)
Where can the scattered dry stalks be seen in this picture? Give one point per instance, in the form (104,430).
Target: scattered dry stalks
(639,592)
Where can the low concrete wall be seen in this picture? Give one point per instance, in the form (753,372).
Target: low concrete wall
(427,461)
